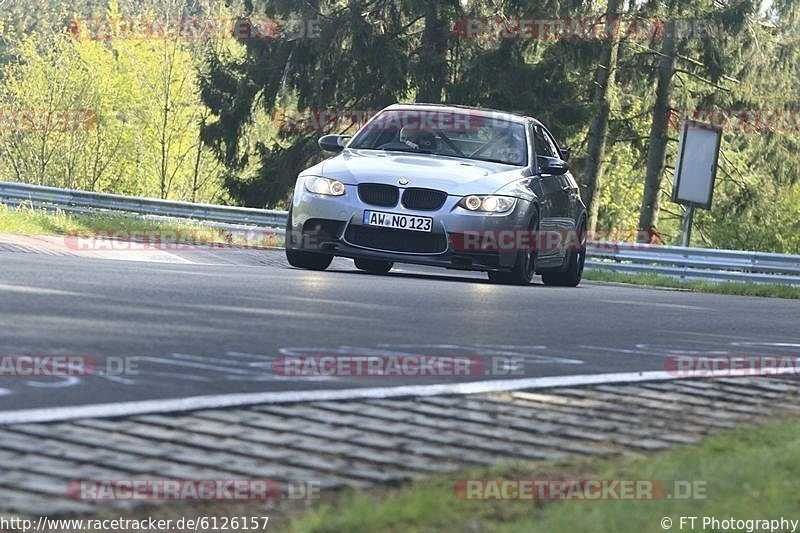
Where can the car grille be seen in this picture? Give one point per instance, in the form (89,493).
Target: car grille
(424,199)
(377,194)
(393,240)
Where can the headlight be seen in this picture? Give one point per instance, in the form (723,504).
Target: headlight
(491,204)
(325,186)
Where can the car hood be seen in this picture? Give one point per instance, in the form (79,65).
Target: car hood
(458,177)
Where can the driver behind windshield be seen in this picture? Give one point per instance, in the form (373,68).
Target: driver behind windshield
(418,139)
(486,140)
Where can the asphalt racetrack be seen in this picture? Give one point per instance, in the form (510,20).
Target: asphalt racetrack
(213,323)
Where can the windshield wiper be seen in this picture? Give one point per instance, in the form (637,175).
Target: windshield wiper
(501,161)
(408,149)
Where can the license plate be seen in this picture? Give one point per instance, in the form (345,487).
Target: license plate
(397,221)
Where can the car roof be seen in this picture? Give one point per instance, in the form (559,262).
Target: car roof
(503,115)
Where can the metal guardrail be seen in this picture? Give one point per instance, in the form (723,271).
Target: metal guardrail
(683,263)
(695,263)
(82,201)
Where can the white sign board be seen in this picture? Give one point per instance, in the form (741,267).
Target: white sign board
(697,164)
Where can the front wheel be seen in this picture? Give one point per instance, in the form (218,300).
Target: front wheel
(374,266)
(572,276)
(524,265)
(300,258)
(308,260)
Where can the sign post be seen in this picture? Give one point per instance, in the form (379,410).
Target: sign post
(688,216)
(696,170)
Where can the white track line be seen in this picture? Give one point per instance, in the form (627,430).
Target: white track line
(28,416)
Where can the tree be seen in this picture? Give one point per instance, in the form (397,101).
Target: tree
(142,98)
(720,41)
(598,130)
(657,146)
(372,53)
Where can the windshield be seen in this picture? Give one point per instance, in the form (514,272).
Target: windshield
(467,134)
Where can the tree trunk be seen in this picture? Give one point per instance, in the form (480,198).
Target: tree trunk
(657,148)
(197,157)
(598,130)
(432,66)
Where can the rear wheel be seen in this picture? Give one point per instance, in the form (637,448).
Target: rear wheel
(374,266)
(571,277)
(301,258)
(524,266)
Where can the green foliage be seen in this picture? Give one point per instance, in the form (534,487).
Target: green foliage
(735,60)
(195,119)
(748,468)
(143,98)
(768,290)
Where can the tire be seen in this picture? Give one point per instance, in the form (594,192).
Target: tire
(303,259)
(524,265)
(571,277)
(374,266)
(308,260)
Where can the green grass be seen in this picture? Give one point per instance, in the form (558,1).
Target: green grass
(749,473)
(31,221)
(735,288)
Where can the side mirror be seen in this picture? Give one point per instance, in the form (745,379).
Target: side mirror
(566,151)
(551,165)
(333,143)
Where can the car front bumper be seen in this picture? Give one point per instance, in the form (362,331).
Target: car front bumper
(334,224)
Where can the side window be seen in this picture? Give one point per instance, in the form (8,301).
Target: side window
(541,143)
(552,143)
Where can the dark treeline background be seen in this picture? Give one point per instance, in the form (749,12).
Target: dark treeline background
(195,119)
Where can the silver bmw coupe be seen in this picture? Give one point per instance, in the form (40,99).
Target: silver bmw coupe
(449,186)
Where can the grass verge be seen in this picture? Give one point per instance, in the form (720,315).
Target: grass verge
(748,473)
(655,280)
(31,221)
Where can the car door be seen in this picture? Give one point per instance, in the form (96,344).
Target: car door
(569,187)
(555,200)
